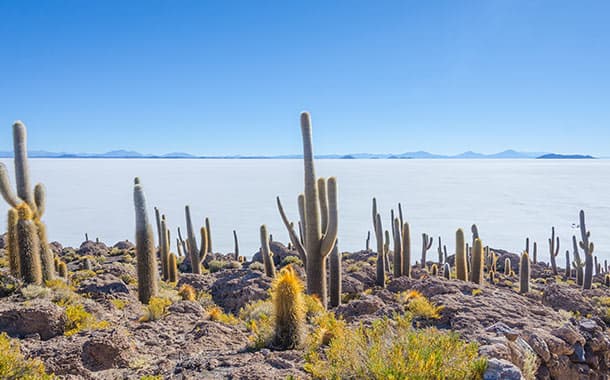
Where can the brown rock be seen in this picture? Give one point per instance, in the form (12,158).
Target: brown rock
(40,317)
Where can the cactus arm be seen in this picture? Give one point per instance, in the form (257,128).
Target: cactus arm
(293,236)
(205,236)
(5,188)
(322,198)
(302,218)
(40,198)
(330,235)
(266,252)
(22,174)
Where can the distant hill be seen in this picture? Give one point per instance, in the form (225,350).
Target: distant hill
(553,156)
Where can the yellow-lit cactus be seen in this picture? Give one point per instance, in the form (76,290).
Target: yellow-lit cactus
(13,250)
(288,309)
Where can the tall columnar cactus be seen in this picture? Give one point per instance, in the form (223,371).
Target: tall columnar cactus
(398,256)
(173,268)
(209,235)
(478,263)
(553,250)
(447,271)
(587,248)
(145,248)
(266,252)
(236,244)
(568,266)
(442,251)
(380,273)
(406,247)
(386,251)
(524,273)
(26,210)
(335,276)
(288,309)
(461,259)
(368,241)
(426,244)
(507,266)
(164,249)
(11,242)
(29,246)
(475,233)
(195,255)
(319,241)
(577,263)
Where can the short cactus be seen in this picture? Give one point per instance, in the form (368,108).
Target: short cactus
(434,270)
(553,250)
(507,266)
(209,235)
(145,248)
(288,309)
(173,268)
(524,273)
(46,254)
(266,253)
(447,271)
(63,270)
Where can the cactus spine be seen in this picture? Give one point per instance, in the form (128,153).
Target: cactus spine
(478,262)
(524,273)
(266,252)
(461,266)
(318,242)
(553,250)
(288,309)
(335,276)
(587,248)
(145,248)
(406,247)
(426,245)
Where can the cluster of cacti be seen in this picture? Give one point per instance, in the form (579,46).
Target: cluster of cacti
(30,256)
(266,253)
(288,309)
(145,248)
(319,218)
(553,250)
(534,253)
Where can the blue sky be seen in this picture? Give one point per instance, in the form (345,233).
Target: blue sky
(230,77)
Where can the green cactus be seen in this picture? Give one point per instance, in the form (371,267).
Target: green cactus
(22,172)
(288,309)
(577,264)
(442,251)
(145,248)
(63,270)
(266,253)
(335,276)
(11,243)
(398,254)
(568,266)
(587,248)
(553,250)
(447,271)
(478,263)
(426,245)
(173,268)
(164,248)
(386,251)
(319,242)
(524,273)
(607,280)
(28,246)
(380,273)
(507,266)
(461,259)
(406,247)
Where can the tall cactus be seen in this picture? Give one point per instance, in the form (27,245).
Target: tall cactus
(553,250)
(461,259)
(524,273)
(335,276)
(29,246)
(368,241)
(568,266)
(577,263)
(475,233)
(319,242)
(145,248)
(195,255)
(266,253)
(386,251)
(398,256)
(426,244)
(164,249)
(478,263)
(380,273)
(587,248)
(236,243)
(209,235)
(406,247)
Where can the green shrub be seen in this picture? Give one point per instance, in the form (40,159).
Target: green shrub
(391,349)
(156,308)
(291,260)
(257,266)
(215,266)
(79,319)
(14,366)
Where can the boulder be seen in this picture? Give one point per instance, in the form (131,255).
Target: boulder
(37,317)
(107,349)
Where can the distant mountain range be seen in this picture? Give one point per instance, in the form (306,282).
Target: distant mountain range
(507,154)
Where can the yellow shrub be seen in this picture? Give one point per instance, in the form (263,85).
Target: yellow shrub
(187,293)
(14,366)
(216,314)
(391,349)
(156,308)
(476,292)
(79,319)
(257,317)
(118,303)
(327,327)
(418,305)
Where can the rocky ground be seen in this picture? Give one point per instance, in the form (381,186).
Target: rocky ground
(556,331)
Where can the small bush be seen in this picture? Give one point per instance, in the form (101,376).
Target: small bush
(187,293)
(216,314)
(215,266)
(156,308)
(118,303)
(476,292)
(31,292)
(391,349)
(258,318)
(14,366)
(79,319)
(257,266)
(232,265)
(419,306)
(291,260)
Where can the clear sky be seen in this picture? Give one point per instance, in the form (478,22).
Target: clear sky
(230,77)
